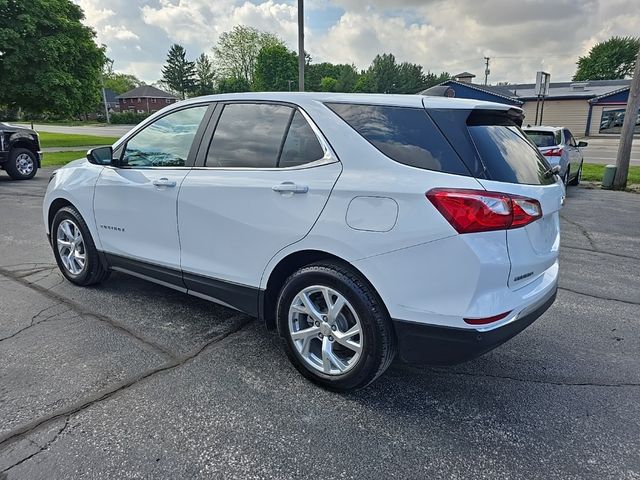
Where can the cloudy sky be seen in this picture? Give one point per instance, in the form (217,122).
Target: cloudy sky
(520,36)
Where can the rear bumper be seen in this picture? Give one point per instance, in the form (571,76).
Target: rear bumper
(439,345)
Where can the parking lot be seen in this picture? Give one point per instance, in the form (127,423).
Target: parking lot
(133,380)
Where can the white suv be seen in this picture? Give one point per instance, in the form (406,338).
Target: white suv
(357,226)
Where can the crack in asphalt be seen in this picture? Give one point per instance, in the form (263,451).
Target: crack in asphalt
(41,448)
(33,322)
(582,230)
(621,255)
(599,296)
(68,412)
(529,380)
(82,311)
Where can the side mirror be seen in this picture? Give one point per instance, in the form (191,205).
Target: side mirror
(582,144)
(100,155)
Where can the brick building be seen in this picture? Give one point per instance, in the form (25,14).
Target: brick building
(145,99)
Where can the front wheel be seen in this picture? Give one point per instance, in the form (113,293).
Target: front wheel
(22,164)
(336,330)
(73,247)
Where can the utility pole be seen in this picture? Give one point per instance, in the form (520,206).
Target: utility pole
(104,100)
(628,127)
(486,69)
(301,58)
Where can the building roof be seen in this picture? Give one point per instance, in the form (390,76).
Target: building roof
(464,75)
(500,91)
(146,91)
(571,90)
(110,95)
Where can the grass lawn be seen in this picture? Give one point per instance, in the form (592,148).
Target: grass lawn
(52,159)
(592,172)
(48,139)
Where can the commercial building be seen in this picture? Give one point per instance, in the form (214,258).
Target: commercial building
(593,108)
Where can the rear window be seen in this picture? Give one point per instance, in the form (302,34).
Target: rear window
(508,155)
(406,135)
(544,139)
(492,145)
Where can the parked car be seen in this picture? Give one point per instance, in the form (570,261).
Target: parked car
(19,151)
(356,226)
(559,147)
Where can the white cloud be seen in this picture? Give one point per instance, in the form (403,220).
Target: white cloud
(520,37)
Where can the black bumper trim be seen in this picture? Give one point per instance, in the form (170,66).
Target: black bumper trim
(437,345)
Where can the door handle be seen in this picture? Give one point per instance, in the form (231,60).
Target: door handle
(164,182)
(290,187)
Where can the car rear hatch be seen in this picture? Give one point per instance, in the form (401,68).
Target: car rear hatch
(502,159)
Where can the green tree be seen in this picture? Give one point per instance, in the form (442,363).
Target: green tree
(121,82)
(275,67)
(178,72)
(49,60)
(328,84)
(610,60)
(205,76)
(237,51)
(385,74)
(315,72)
(411,78)
(233,85)
(347,78)
(365,83)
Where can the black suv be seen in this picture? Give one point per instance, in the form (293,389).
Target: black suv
(19,151)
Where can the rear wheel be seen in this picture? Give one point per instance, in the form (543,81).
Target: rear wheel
(73,247)
(22,164)
(336,330)
(576,180)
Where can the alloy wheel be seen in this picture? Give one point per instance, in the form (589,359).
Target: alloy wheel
(71,247)
(24,164)
(325,330)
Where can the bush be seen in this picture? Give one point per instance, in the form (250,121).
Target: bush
(128,118)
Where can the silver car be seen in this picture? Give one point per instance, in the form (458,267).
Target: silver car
(559,147)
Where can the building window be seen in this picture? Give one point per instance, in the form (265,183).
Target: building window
(154,100)
(168,100)
(612,120)
(139,100)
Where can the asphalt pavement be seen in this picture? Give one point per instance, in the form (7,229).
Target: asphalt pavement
(604,150)
(133,380)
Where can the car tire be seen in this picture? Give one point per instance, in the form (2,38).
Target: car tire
(565,178)
(576,180)
(74,249)
(320,342)
(22,164)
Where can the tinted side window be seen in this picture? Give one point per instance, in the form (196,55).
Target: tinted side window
(249,135)
(166,142)
(301,146)
(406,135)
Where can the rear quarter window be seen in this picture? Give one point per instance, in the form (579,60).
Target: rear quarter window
(406,135)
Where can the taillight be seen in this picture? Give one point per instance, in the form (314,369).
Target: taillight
(554,152)
(471,211)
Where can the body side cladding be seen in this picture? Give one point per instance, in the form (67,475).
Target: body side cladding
(244,298)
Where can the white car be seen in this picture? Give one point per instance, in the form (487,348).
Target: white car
(560,148)
(357,226)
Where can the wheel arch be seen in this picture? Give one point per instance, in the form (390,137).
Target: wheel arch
(28,145)
(283,269)
(56,205)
